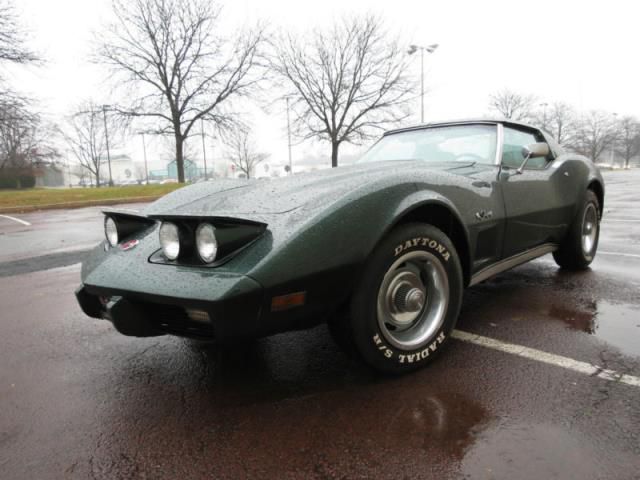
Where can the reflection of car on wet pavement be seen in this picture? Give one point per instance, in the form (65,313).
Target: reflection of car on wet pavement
(391,242)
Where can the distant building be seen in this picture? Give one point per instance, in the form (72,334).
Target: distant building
(49,174)
(191,170)
(158,174)
(123,169)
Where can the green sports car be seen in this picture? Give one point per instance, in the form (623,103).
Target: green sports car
(381,250)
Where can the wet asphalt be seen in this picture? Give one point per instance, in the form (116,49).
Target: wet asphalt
(78,400)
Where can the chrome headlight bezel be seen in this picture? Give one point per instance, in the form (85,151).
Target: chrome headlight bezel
(169,236)
(111,231)
(206,242)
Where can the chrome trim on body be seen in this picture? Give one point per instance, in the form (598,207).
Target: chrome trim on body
(512,262)
(499,143)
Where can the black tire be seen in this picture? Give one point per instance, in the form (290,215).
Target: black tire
(430,258)
(340,330)
(573,254)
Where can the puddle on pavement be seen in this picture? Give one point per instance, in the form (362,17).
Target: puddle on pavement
(529,452)
(448,420)
(616,324)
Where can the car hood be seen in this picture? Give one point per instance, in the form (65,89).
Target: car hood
(249,198)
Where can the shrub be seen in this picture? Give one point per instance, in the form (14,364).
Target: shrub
(16,179)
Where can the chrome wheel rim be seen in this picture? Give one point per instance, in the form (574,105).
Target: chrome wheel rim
(589,229)
(412,300)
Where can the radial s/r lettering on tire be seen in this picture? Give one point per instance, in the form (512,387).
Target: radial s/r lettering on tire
(579,247)
(408,300)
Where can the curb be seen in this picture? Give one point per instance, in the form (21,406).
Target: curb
(86,203)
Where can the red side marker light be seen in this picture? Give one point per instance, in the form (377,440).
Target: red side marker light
(285,302)
(128,245)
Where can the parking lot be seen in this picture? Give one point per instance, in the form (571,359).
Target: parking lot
(543,380)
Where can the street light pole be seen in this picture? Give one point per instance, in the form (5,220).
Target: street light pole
(544,114)
(106,136)
(204,151)
(430,49)
(613,142)
(144,151)
(289,137)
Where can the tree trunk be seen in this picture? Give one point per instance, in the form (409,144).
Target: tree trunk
(180,157)
(97,180)
(334,153)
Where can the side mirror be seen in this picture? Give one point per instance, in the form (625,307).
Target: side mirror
(533,150)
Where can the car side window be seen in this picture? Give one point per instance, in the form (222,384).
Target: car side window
(514,140)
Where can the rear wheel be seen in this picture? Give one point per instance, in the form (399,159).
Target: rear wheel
(579,247)
(408,300)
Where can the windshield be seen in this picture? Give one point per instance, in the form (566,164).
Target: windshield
(460,143)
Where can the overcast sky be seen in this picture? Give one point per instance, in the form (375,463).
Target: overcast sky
(582,52)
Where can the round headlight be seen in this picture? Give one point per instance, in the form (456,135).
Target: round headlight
(111,231)
(170,240)
(206,242)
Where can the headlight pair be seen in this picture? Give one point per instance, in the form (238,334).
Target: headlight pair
(206,241)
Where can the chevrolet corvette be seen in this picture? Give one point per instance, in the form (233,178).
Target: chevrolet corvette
(381,250)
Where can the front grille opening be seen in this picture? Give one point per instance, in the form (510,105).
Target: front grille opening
(174,320)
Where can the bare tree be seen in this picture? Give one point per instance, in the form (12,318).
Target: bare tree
(12,36)
(13,49)
(512,105)
(346,81)
(86,138)
(20,129)
(558,118)
(181,67)
(242,152)
(17,134)
(595,133)
(24,138)
(628,138)
(562,119)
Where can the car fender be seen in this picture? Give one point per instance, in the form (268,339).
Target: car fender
(423,198)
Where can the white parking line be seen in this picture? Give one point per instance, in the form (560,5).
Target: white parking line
(632,255)
(23,222)
(548,358)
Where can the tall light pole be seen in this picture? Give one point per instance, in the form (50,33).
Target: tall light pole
(429,49)
(204,151)
(613,141)
(144,151)
(106,136)
(289,137)
(544,114)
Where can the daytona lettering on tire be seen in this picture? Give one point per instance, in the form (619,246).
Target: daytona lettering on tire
(408,300)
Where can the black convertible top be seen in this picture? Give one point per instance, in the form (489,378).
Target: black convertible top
(466,121)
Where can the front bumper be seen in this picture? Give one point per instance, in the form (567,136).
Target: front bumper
(144,299)
(143,314)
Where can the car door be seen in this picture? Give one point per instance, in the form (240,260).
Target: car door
(535,206)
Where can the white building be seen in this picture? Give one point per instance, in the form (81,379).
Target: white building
(123,170)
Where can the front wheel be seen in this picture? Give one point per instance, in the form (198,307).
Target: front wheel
(578,249)
(408,301)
